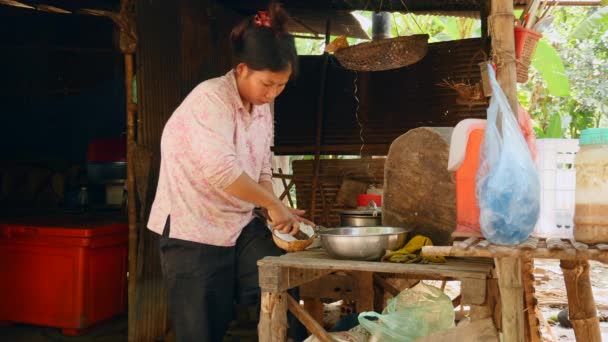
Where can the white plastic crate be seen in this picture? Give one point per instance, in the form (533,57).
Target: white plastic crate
(555,163)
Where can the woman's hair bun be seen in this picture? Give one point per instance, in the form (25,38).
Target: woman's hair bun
(278,17)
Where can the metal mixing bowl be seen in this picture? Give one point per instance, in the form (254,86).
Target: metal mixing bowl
(362,243)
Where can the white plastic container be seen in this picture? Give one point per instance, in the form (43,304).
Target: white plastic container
(555,163)
(591,217)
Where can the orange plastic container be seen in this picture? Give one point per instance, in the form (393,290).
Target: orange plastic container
(68,272)
(467,210)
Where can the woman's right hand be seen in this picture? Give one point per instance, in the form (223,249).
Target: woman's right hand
(282,219)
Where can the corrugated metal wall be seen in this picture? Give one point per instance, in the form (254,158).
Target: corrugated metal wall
(178,48)
(391,102)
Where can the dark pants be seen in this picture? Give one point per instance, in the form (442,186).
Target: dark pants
(204,281)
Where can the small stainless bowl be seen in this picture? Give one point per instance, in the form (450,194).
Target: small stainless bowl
(362,243)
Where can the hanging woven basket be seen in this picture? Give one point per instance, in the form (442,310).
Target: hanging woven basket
(385,54)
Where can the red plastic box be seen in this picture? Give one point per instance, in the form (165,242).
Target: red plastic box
(66,272)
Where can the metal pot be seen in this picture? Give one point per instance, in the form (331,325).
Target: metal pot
(359,218)
(362,243)
(369,217)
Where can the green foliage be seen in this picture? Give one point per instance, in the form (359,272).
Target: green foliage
(597,21)
(549,65)
(585,64)
(555,127)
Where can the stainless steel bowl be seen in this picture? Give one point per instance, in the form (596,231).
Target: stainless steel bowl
(362,243)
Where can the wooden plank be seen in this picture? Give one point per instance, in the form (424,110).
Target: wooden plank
(274,278)
(473,291)
(477,331)
(273,317)
(331,286)
(581,304)
(511,293)
(453,269)
(504,251)
(310,323)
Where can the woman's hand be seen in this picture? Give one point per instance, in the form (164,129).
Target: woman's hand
(299,213)
(282,219)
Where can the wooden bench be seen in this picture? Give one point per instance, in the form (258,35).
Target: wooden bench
(278,274)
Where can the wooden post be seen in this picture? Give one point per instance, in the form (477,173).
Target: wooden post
(581,305)
(532,322)
(501,27)
(131,191)
(511,293)
(273,317)
(319,133)
(365,291)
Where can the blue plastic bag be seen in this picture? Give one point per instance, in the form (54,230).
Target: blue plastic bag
(507,183)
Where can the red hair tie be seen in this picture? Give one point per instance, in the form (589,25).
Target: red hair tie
(262,19)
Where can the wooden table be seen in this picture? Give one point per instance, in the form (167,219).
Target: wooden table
(574,261)
(278,274)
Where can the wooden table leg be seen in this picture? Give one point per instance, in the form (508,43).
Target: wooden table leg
(532,325)
(512,298)
(273,317)
(581,305)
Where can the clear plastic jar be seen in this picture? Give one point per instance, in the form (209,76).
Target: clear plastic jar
(591,213)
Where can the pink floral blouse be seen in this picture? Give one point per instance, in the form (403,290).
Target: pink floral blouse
(207,143)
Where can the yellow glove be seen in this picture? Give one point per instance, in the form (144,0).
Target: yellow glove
(410,253)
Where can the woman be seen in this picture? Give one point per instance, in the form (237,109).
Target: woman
(215,167)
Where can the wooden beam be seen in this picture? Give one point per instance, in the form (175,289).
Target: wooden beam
(277,279)
(131,190)
(319,123)
(369,149)
(581,304)
(504,251)
(310,323)
(512,297)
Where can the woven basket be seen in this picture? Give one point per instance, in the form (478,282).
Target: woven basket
(525,44)
(384,54)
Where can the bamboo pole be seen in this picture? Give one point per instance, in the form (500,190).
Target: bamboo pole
(581,305)
(131,191)
(319,133)
(501,27)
